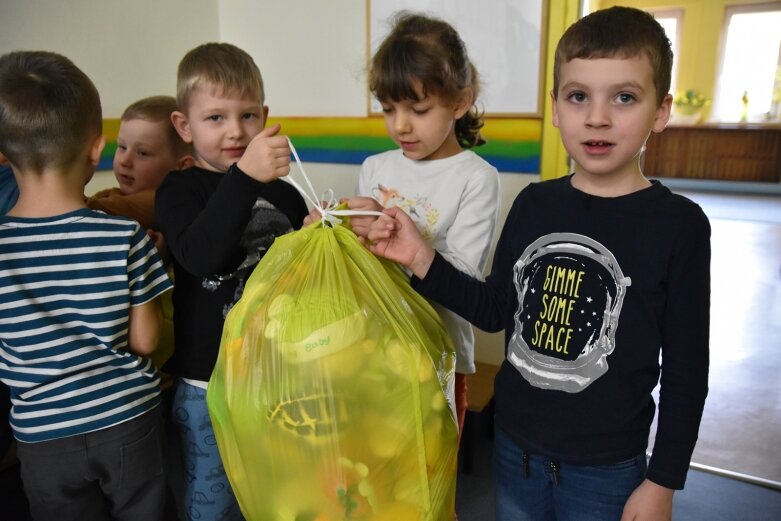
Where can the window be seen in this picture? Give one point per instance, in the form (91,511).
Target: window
(751,43)
(672,21)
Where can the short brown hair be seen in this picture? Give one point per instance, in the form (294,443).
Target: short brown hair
(219,66)
(623,32)
(49,110)
(158,109)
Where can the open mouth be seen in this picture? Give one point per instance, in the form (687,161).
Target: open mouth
(597,146)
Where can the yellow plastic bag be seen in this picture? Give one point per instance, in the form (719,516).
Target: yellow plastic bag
(330,396)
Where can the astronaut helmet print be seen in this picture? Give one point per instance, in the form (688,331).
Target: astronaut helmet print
(570,292)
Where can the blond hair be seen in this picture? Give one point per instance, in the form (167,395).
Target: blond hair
(219,66)
(158,109)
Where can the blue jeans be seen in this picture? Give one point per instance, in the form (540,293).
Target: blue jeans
(533,491)
(207,494)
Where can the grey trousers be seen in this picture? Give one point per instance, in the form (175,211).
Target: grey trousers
(111,474)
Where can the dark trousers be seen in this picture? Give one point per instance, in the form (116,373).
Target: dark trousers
(114,473)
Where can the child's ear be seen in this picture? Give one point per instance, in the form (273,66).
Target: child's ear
(662,116)
(463,103)
(96,149)
(265,115)
(554,111)
(186,162)
(179,121)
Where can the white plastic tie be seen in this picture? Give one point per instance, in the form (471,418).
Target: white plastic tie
(326,208)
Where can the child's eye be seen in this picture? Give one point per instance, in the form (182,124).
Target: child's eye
(420,110)
(214,117)
(143,153)
(625,97)
(122,147)
(387,109)
(249,115)
(577,97)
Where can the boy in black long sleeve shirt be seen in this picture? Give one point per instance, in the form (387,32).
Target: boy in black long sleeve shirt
(218,218)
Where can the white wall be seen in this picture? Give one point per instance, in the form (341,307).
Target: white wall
(312,55)
(130,49)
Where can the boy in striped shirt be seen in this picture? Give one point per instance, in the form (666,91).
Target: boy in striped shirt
(79,309)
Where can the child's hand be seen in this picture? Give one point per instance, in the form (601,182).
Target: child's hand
(395,237)
(649,502)
(361,224)
(267,156)
(314,216)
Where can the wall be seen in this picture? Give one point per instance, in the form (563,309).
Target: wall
(129,49)
(312,54)
(554,160)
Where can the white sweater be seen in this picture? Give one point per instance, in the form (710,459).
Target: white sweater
(455,205)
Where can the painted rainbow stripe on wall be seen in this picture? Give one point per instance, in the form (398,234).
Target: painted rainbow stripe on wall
(110,130)
(513,144)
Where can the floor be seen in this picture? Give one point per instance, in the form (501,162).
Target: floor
(741,424)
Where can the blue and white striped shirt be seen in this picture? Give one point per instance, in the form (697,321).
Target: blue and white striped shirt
(67,284)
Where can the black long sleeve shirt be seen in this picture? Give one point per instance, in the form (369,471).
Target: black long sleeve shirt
(589,291)
(216,226)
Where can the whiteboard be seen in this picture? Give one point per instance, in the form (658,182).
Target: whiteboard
(504,39)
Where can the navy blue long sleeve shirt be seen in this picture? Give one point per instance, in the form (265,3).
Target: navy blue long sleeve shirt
(590,291)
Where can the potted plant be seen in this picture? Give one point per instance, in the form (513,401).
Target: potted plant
(688,106)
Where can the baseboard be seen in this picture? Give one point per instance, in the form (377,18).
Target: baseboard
(731,187)
(754,480)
